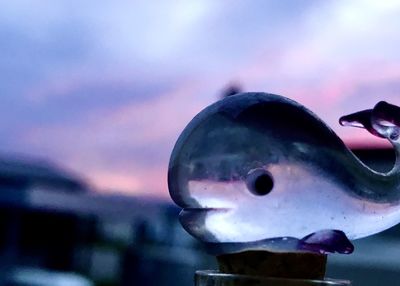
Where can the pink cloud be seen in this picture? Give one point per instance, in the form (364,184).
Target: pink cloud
(106,144)
(335,59)
(89,147)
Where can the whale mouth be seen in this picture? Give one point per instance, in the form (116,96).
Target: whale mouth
(194,222)
(196,213)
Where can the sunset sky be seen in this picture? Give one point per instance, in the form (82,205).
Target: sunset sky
(105,88)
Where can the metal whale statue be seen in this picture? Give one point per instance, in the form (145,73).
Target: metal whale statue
(258,170)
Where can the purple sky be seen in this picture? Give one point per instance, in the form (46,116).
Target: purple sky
(105,89)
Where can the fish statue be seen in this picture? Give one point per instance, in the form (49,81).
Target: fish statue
(260,171)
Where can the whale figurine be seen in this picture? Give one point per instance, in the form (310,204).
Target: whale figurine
(260,171)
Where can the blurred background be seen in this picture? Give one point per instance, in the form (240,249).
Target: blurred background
(94,95)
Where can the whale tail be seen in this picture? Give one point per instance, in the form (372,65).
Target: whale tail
(382,121)
(386,121)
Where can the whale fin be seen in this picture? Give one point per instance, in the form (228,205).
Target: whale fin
(327,241)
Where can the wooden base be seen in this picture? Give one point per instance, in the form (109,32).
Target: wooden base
(300,265)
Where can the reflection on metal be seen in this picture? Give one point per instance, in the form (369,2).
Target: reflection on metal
(214,278)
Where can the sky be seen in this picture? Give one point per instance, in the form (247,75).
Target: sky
(105,88)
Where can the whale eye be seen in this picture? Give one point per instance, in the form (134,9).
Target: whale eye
(259,182)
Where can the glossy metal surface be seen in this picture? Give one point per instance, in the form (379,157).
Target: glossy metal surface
(214,278)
